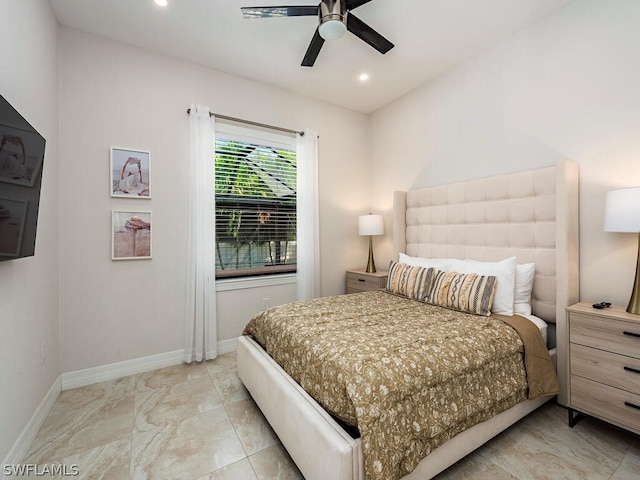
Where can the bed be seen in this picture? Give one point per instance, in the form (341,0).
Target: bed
(530,215)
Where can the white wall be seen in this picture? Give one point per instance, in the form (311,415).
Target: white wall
(116,95)
(565,87)
(29,308)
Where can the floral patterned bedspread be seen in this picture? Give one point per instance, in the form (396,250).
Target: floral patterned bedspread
(409,375)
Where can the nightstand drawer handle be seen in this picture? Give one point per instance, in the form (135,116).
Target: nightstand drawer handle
(631,334)
(628,404)
(363,280)
(634,370)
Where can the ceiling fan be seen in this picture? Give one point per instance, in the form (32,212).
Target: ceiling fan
(335,19)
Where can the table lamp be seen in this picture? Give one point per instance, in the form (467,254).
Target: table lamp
(622,214)
(370,225)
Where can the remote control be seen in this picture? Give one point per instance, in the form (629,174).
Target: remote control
(601,305)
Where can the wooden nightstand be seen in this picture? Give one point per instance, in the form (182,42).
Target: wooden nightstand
(604,365)
(361,281)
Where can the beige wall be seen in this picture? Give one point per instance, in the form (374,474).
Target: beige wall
(565,87)
(29,307)
(115,95)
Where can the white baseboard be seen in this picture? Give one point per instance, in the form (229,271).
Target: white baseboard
(227,346)
(21,447)
(103,373)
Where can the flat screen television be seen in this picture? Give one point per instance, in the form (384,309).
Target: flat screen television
(21,158)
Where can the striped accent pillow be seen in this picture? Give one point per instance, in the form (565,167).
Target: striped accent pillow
(466,292)
(408,281)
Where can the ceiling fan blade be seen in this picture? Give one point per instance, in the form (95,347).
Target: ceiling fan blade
(351,4)
(292,11)
(314,49)
(367,34)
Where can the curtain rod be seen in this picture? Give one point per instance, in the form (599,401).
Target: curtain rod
(255,124)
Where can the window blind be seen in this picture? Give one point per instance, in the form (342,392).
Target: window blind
(255,202)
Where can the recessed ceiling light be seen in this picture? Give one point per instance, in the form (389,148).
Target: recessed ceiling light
(363,77)
(162,3)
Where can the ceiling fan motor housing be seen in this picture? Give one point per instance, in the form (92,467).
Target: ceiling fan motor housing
(333,10)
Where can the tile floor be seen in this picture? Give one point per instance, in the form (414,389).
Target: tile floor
(197,422)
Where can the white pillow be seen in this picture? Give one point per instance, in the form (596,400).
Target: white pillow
(505,270)
(437,263)
(525,274)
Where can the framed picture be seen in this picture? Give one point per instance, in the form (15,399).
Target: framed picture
(130,235)
(21,155)
(12,218)
(130,173)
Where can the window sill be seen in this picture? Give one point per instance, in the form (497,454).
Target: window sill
(228,284)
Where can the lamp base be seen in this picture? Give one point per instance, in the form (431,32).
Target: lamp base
(371,264)
(634,302)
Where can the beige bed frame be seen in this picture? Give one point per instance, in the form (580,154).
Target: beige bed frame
(532,215)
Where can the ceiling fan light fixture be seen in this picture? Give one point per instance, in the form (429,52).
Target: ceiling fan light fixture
(333,19)
(332,29)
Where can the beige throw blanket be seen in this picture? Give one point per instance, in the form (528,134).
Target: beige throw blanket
(409,375)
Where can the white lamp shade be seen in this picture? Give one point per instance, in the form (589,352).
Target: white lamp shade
(622,210)
(332,29)
(370,225)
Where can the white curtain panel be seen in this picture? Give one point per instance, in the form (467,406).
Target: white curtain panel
(200,327)
(308,234)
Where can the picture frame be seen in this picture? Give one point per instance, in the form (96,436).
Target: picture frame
(131,235)
(21,155)
(13,214)
(130,173)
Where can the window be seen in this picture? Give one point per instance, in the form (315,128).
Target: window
(255,202)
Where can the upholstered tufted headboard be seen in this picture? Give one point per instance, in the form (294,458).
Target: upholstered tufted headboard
(532,215)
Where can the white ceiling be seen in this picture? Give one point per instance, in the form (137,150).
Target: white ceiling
(430,36)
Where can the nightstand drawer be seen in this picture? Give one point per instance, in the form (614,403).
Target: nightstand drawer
(611,404)
(605,334)
(609,368)
(363,282)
